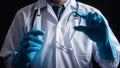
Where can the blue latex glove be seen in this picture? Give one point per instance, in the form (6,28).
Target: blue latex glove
(97,31)
(30,44)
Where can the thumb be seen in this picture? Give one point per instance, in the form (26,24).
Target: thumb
(84,29)
(80,28)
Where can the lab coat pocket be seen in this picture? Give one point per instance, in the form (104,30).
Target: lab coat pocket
(84,61)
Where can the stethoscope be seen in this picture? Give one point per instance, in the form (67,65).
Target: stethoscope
(77,15)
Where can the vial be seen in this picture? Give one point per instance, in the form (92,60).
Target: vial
(76,20)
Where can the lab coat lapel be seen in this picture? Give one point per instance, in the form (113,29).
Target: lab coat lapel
(68,10)
(51,11)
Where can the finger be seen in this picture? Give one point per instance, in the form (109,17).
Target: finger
(35,32)
(95,20)
(32,38)
(30,47)
(97,17)
(29,50)
(80,14)
(30,44)
(89,18)
(98,20)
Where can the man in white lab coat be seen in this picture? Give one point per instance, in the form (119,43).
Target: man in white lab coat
(40,38)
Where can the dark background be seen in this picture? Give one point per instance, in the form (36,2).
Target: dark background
(109,8)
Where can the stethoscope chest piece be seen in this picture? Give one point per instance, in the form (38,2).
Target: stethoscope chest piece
(59,46)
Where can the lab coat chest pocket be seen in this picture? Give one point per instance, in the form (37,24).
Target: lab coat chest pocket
(81,44)
(82,47)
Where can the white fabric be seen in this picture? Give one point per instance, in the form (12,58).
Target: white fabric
(57,32)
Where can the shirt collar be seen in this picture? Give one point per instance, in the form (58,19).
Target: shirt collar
(43,3)
(65,4)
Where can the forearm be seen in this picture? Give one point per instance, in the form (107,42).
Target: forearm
(107,62)
(107,51)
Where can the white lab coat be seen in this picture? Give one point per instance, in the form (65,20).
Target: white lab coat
(51,56)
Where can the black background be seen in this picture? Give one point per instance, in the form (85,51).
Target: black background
(8,8)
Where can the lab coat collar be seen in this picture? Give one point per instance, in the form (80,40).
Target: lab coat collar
(73,3)
(43,3)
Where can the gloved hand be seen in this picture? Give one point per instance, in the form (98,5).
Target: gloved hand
(97,31)
(29,45)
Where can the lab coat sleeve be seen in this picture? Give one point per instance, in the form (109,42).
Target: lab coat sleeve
(12,39)
(115,43)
